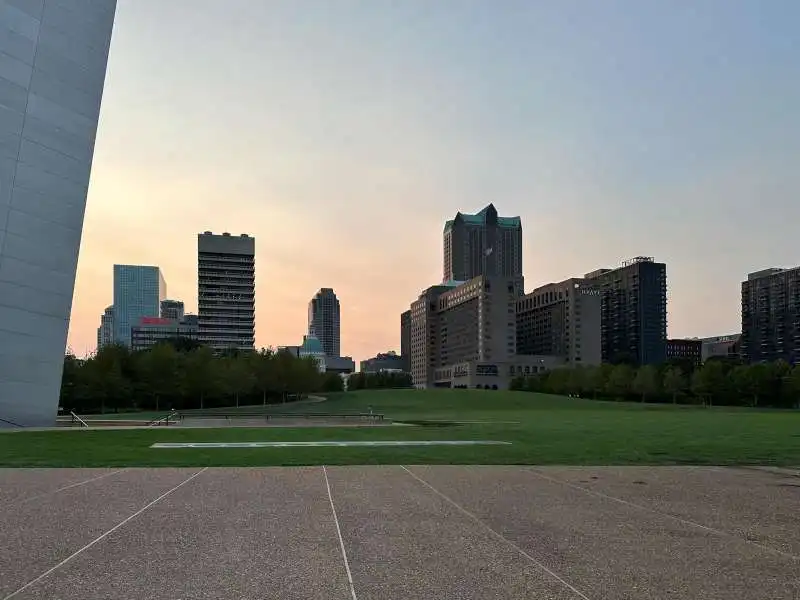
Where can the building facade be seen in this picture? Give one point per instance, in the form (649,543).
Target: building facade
(633,311)
(172,309)
(226,294)
(312,348)
(340,364)
(138,292)
(105,333)
(465,323)
(52,74)
(722,346)
(685,350)
(324,320)
(771,316)
(156,330)
(405,340)
(388,361)
(482,244)
(561,319)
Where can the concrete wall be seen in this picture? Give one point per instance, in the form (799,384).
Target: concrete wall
(53,56)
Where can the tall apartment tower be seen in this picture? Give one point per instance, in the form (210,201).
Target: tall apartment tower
(633,311)
(561,319)
(405,340)
(482,244)
(324,321)
(105,333)
(52,75)
(226,291)
(771,316)
(138,292)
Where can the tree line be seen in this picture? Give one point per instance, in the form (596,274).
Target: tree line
(181,376)
(716,382)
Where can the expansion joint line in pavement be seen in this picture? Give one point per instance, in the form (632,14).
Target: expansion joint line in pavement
(718,532)
(66,487)
(102,536)
(498,535)
(339,534)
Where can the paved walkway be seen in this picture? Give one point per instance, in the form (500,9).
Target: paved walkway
(409,533)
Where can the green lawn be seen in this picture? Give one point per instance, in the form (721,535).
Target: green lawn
(542,429)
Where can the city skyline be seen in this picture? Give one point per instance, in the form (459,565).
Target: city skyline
(640,149)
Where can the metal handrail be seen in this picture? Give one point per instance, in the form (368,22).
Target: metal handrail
(166,418)
(77,418)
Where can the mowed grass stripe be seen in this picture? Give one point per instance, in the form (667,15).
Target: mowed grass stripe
(542,429)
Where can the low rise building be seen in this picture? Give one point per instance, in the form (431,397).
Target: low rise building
(724,346)
(494,375)
(389,361)
(340,364)
(688,350)
(155,330)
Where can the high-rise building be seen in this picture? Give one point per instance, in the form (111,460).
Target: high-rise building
(172,309)
(463,334)
(105,333)
(405,340)
(226,291)
(51,84)
(138,292)
(633,311)
(482,244)
(561,319)
(324,320)
(771,316)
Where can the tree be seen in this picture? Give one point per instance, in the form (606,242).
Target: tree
(575,381)
(620,380)
(674,382)
(750,381)
(107,379)
(709,381)
(557,380)
(263,368)
(645,381)
(236,376)
(332,382)
(201,375)
(793,386)
(159,367)
(595,380)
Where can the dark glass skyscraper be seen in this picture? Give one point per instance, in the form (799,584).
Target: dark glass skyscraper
(324,321)
(633,317)
(482,244)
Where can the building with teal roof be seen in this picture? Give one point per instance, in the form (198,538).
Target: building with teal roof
(482,244)
(312,347)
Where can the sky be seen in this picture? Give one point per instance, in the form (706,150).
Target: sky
(342,134)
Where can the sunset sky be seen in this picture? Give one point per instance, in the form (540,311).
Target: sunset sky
(343,133)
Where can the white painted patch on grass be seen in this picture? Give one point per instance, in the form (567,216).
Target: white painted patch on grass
(329,444)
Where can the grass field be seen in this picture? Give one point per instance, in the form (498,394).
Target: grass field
(542,429)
